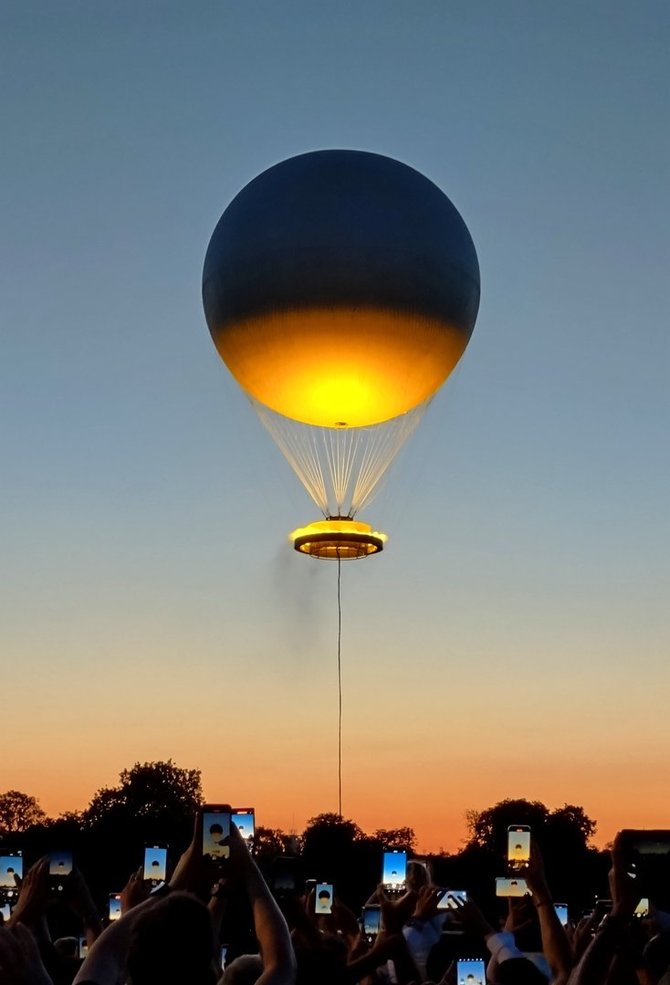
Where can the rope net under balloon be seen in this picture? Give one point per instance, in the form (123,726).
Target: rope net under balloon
(341,468)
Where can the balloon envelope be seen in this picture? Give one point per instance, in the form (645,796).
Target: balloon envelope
(341,288)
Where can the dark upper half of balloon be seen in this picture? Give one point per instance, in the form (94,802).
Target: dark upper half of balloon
(341,228)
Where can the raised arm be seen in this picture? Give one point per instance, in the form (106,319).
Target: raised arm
(272,933)
(555,943)
(593,969)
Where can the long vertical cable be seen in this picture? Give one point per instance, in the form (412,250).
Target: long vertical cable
(339,685)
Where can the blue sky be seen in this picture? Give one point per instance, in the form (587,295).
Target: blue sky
(144,510)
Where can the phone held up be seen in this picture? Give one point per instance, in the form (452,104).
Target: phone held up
(154,871)
(371,922)
(470,971)
(511,887)
(323,898)
(394,872)
(518,847)
(244,819)
(60,867)
(11,864)
(114,907)
(215,831)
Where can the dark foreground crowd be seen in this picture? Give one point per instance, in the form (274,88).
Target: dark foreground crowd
(172,934)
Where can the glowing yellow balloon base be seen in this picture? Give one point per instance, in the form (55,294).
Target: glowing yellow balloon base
(338,537)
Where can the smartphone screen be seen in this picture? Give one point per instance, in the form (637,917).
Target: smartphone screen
(518,846)
(394,871)
(244,820)
(155,864)
(11,864)
(5,911)
(372,919)
(223,952)
(451,898)
(215,829)
(114,911)
(60,867)
(83,947)
(642,908)
(562,912)
(323,899)
(470,971)
(506,886)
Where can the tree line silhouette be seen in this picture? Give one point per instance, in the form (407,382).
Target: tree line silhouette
(154,803)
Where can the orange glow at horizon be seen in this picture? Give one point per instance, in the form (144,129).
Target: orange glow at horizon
(438,816)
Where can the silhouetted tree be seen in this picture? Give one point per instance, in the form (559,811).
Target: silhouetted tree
(572,867)
(271,842)
(401,839)
(19,811)
(149,790)
(154,803)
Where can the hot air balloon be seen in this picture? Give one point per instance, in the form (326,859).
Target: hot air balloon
(340,288)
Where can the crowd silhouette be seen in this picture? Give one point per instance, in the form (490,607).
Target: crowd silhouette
(526,900)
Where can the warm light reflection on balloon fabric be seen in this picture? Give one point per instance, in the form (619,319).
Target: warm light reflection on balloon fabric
(340,367)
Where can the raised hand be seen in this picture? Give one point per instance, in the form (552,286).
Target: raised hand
(396,912)
(134,891)
(425,907)
(624,892)
(33,894)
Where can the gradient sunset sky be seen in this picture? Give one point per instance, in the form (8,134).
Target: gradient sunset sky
(512,641)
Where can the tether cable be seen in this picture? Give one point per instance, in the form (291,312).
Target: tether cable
(339,684)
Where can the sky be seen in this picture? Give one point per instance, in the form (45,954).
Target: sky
(512,640)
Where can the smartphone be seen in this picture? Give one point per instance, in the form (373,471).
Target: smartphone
(394,872)
(215,829)
(60,867)
(11,864)
(223,954)
(83,946)
(5,912)
(114,908)
(510,886)
(245,821)
(643,844)
(600,910)
(647,859)
(470,971)
(451,898)
(284,874)
(310,884)
(155,864)
(562,912)
(642,908)
(518,847)
(323,900)
(372,922)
